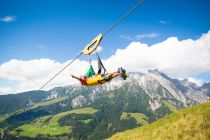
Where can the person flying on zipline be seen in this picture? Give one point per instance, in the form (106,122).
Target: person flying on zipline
(91,79)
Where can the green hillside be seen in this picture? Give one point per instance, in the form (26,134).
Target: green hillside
(34,106)
(188,124)
(117,111)
(13,102)
(49,125)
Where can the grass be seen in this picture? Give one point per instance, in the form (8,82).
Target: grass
(187,124)
(140,118)
(86,110)
(45,103)
(172,107)
(52,129)
(4,117)
(87,121)
(49,125)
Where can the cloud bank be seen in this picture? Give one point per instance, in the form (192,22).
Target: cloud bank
(177,58)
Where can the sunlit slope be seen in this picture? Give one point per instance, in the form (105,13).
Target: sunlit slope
(189,124)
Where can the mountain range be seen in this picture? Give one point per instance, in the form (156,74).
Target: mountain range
(81,112)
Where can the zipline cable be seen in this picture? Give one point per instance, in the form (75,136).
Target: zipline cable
(106,32)
(122,18)
(60,71)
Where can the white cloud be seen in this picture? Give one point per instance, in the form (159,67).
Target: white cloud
(8,19)
(127,37)
(140,36)
(177,58)
(32,74)
(150,35)
(162,21)
(198,82)
(4,90)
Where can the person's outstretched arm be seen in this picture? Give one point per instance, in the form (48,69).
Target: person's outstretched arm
(75,77)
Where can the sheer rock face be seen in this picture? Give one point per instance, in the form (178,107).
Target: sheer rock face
(79,101)
(154,104)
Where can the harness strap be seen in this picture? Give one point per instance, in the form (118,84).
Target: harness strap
(100,65)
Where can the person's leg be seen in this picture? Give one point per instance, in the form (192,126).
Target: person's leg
(120,71)
(113,75)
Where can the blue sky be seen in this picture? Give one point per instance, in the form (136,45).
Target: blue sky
(59,29)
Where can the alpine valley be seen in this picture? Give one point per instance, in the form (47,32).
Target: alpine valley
(80,112)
